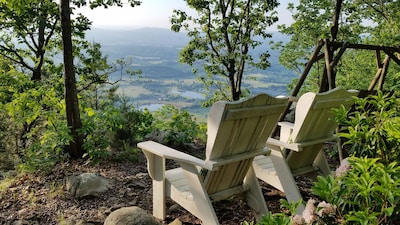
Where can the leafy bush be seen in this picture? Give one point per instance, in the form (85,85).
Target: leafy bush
(372,129)
(368,193)
(36,122)
(279,218)
(178,127)
(113,128)
(136,125)
(272,219)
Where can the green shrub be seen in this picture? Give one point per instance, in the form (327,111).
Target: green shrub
(272,219)
(36,124)
(136,125)
(178,127)
(372,130)
(279,218)
(368,193)
(113,128)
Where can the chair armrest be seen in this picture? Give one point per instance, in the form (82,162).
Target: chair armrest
(274,143)
(170,153)
(277,144)
(286,130)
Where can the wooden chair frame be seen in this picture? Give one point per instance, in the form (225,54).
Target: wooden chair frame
(237,132)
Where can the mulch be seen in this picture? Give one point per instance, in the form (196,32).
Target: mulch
(42,199)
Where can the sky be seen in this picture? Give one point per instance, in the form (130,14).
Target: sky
(154,13)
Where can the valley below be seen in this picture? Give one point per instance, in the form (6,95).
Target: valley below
(164,80)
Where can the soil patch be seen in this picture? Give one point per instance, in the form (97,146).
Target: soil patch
(41,199)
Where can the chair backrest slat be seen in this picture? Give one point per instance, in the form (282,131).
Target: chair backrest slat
(236,128)
(314,121)
(314,118)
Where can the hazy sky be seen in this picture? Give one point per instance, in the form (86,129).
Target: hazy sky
(153,13)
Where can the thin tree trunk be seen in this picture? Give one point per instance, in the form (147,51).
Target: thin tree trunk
(71,99)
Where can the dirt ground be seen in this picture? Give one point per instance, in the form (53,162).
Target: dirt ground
(42,199)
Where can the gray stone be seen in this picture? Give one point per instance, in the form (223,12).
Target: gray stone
(86,184)
(130,216)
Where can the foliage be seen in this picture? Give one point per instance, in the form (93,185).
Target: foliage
(279,218)
(35,120)
(29,42)
(113,128)
(272,219)
(102,3)
(372,128)
(28,33)
(368,193)
(177,127)
(360,22)
(93,69)
(222,37)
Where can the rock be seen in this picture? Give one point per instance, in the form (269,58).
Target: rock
(174,208)
(130,216)
(86,184)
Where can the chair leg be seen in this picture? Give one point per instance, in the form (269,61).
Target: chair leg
(204,208)
(159,207)
(286,178)
(255,198)
(321,162)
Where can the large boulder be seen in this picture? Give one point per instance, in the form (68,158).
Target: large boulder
(87,184)
(130,216)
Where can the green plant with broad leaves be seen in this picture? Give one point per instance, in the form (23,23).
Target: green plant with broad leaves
(372,129)
(368,193)
(272,219)
(279,218)
(35,122)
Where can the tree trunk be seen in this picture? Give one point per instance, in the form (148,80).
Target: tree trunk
(71,99)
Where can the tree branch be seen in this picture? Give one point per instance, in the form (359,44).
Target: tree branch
(53,28)
(376,9)
(20,60)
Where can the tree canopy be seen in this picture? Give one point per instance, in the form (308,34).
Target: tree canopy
(374,22)
(33,32)
(222,36)
(28,32)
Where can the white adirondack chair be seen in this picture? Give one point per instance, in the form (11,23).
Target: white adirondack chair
(303,140)
(237,132)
